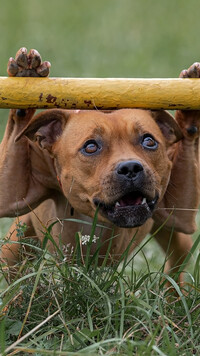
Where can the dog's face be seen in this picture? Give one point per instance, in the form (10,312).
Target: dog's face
(115,161)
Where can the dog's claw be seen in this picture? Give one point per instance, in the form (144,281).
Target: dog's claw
(21,58)
(28,64)
(34,58)
(189,121)
(192,72)
(43,69)
(12,68)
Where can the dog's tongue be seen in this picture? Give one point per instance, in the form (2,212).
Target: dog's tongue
(131,199)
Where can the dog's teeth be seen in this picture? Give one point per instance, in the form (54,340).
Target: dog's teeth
(144,200)
(117,204)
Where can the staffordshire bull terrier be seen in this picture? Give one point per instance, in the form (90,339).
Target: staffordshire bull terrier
(138,168)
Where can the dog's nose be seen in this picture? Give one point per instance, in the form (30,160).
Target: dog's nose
(129,169)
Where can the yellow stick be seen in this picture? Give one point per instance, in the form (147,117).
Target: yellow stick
(104,93)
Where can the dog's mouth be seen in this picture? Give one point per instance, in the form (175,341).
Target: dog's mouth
(129,210)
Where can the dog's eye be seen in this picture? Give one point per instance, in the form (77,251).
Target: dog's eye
(149,142)
(91,147)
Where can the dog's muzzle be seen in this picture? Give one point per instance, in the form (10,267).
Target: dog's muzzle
(133,205)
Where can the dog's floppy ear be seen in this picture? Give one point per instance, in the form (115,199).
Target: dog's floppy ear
(168,125)
(46,127)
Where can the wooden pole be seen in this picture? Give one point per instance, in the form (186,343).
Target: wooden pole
(96,93)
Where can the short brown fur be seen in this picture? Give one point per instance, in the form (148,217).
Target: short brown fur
(44,166)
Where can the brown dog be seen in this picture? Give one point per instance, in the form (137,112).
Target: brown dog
(138,167)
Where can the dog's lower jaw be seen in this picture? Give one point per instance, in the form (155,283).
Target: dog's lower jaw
(127,216)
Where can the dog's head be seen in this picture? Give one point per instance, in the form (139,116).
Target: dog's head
(116,161)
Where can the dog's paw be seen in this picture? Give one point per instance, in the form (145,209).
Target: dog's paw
(28,64)
(189,120)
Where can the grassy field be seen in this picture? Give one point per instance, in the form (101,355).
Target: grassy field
(114,310)
(70,306)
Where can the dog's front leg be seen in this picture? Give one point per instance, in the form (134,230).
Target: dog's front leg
(14,163)
(182,197)
(17,185)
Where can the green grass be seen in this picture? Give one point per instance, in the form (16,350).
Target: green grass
(101,310)
(67,305)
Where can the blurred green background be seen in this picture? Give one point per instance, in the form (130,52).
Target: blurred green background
(102,38)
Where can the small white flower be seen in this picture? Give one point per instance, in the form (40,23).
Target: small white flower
(68,251)
(86,238)
(66,248)
(95,238)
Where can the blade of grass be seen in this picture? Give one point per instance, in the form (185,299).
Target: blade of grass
(31,331)
(88,251)
(121,330)
(32,296)
(2,335)
(189,255)
(49,237)
(182,297)
(78,221)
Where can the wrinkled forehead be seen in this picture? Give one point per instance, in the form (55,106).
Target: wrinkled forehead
(118,123)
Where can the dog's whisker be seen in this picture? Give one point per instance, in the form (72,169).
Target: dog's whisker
(171,195)
(95,107)
(175,209)
(172,185)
